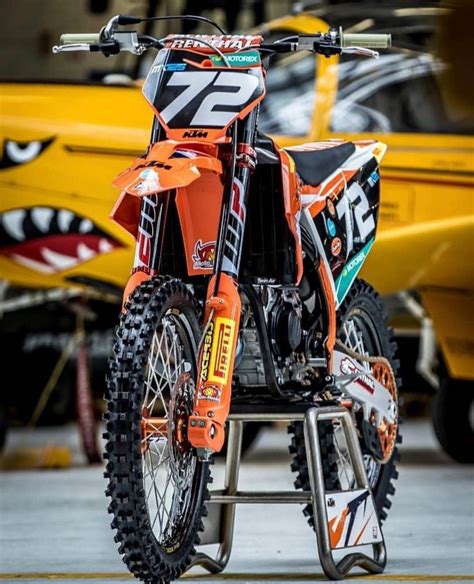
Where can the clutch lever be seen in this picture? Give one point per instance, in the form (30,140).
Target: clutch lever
(71,47)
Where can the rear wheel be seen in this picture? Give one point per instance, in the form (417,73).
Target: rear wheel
(362,328)
(157,485)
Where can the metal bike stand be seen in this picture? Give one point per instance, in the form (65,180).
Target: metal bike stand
(219,525)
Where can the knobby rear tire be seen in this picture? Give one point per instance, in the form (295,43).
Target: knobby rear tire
(362,300)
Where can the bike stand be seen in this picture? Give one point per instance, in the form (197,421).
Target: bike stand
(348,516)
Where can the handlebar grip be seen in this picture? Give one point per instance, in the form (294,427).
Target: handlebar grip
(83,38)
(368,41)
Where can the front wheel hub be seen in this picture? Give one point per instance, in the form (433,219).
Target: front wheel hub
(153,428)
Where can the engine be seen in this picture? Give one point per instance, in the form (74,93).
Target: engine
(283,313)
(284,320)
(249,364)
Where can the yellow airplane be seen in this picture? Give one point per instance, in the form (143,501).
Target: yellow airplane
(62,145)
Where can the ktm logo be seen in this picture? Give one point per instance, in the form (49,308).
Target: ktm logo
(195,134)
(154,164)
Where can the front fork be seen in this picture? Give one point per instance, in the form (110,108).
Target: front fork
(222,310)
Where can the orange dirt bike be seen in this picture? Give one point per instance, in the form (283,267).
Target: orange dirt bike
(244,287)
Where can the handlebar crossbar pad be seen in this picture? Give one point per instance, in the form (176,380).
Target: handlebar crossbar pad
(81,38)
(368,41)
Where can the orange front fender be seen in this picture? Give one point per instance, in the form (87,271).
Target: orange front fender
(167,165)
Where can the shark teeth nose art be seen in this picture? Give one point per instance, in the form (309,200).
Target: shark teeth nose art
(50,240)
(13,224)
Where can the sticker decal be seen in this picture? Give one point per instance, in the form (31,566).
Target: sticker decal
(175,67)
(209,393)
(331,227)
(232,42)
(206,352)
(204,255)
(330,207)
(352,519)
(215,108)
(150,220)
(233,245)
(350,271)
(354,208)
(202,97)
(195,134)
(373,178)
(222,343)
(149,183)
(336,246)
(247,59)
(348,367)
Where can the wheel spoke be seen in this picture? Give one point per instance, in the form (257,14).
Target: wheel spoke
(158,391)
(166,470)
(155,491)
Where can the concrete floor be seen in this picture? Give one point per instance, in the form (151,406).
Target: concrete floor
(53,524)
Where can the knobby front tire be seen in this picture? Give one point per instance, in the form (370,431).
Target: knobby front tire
(157,485)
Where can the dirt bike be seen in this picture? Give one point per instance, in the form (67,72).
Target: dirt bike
(244,287)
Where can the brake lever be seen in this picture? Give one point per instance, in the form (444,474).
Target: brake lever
(361,51)
(122,41)
(108,48)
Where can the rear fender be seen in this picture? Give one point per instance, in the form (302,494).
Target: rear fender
(167,165)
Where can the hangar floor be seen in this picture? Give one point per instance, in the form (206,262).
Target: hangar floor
(53,524)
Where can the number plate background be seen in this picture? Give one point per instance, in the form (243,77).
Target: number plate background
(187,90)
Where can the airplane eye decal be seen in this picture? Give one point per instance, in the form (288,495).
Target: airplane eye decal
(16,153)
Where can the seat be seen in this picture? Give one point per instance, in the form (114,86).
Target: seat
(314,166)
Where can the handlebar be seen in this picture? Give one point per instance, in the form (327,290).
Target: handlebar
(111,41)
(80,38)
(367,41)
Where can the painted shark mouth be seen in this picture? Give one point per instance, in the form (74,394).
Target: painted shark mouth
(50,240)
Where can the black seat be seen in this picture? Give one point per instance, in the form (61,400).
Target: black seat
(314,166)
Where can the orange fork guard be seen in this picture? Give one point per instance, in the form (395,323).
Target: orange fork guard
(216,366)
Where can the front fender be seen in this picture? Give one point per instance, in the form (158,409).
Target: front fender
(167,165)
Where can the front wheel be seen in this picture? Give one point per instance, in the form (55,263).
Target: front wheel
(157,485)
